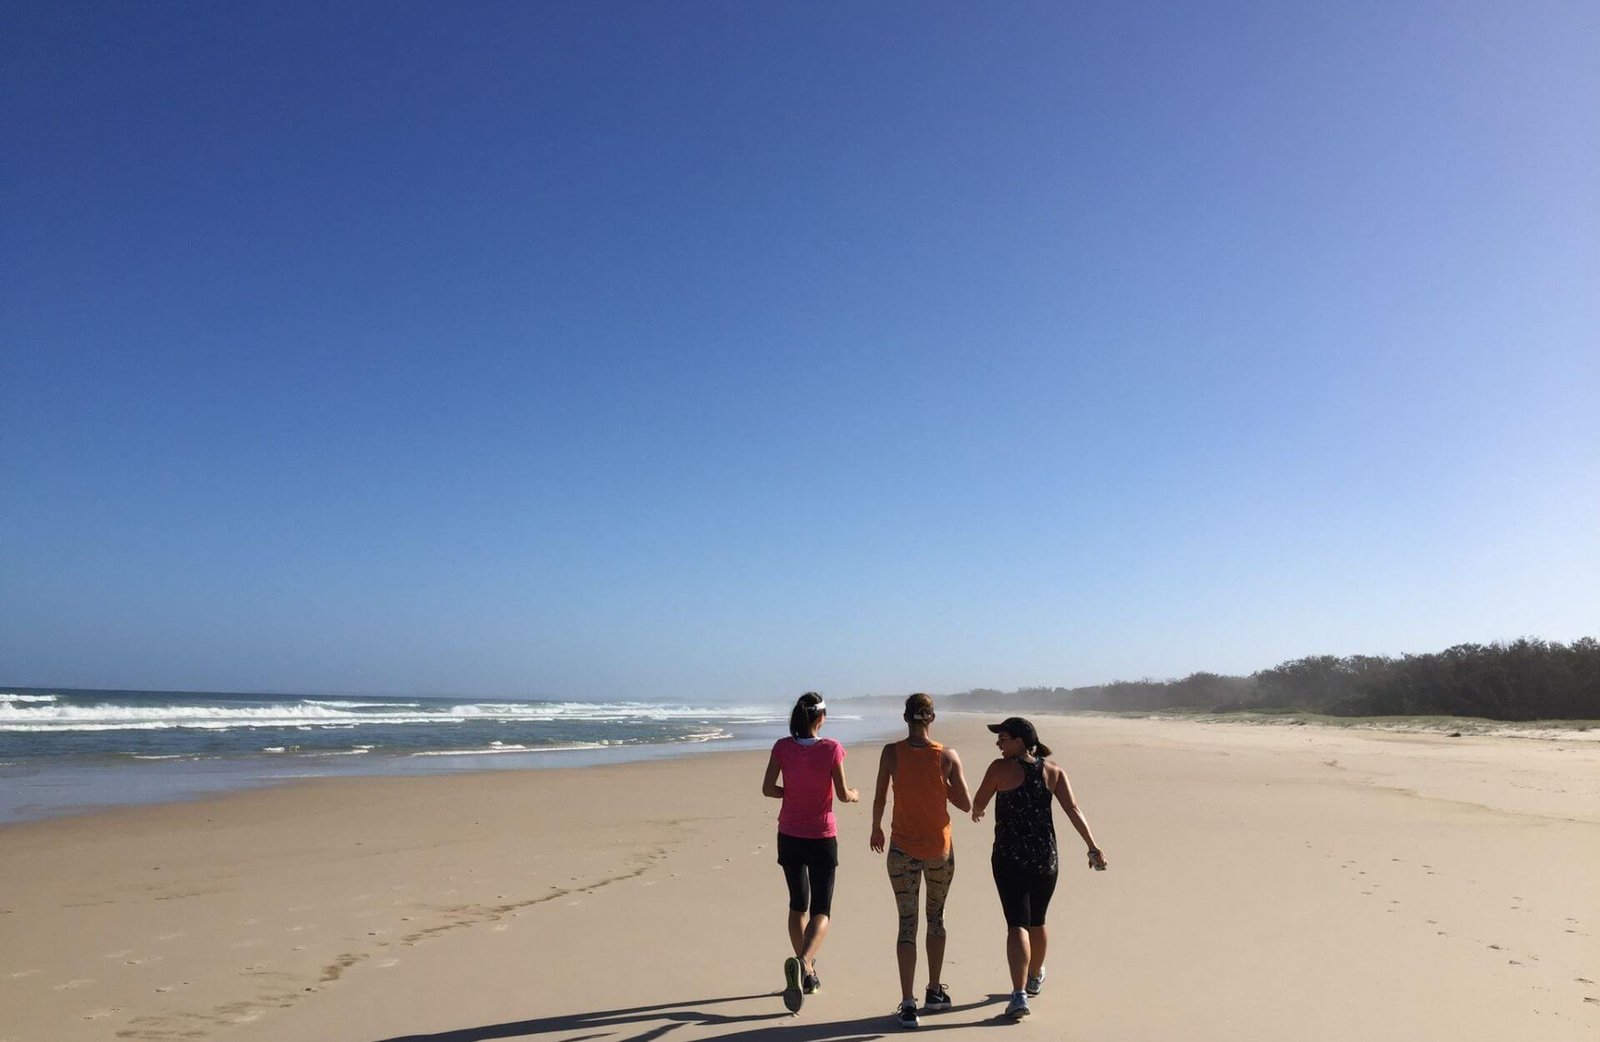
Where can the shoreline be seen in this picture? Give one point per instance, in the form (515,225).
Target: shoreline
(1257,874)
(41,789)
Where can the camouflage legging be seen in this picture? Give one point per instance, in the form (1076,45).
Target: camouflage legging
(905,875)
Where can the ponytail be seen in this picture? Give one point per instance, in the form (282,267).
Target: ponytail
(807,708)
(1040,750)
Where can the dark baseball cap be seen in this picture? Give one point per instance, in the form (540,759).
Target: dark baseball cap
(1017,727)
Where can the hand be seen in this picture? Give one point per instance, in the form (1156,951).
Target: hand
(977,813)
(852,796)
(1097,861)
(876,842)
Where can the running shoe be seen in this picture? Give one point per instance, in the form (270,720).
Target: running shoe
(1036,984)
(792,995)
(936,999)
(907,1014)
(812,983)
(1019,1006)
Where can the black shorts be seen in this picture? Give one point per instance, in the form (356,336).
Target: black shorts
(1024,894)
(808,866)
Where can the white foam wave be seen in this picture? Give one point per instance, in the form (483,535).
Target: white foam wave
(556,748)
(337,704)
(41,716)
(7,696)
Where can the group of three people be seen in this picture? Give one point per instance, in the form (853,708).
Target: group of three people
(806,772)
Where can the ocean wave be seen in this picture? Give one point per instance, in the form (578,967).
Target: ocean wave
(337,704)
(40,716)
(7,696)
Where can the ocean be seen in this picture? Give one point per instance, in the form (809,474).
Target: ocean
(67,751)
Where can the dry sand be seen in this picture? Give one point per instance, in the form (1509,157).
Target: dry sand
(1266,883)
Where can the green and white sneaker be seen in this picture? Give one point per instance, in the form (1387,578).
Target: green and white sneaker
(792,995)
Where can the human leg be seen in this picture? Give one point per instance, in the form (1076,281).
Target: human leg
(797,877)
(939,874)
(905,877)
(1011,881)
(792,858)
(1042,888)
(821,864)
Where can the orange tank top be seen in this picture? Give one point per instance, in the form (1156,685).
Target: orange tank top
(921,823)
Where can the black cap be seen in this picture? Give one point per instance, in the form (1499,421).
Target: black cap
(1017,727)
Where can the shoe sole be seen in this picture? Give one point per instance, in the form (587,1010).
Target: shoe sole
(935,1007)
(793,997)
(1018,1014)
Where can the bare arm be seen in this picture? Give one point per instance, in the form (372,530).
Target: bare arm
(955,781)
(986,790)
(769,784)
(1062,790)
(841,789)
(880,796)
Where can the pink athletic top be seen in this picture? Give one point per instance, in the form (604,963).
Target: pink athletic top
(807,772)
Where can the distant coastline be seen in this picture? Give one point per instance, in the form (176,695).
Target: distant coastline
(1524,681)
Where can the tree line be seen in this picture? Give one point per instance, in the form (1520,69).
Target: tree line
(1526,679)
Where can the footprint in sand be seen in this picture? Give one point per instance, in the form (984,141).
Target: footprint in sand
(247,944)
(23,973)
(118,955)
(502,927)
(100,1014)
(142,961)
(302,926)
(78,983)
(248,922)
(170,936)
(387,963)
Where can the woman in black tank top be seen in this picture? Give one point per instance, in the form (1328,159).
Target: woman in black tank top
(1022,783)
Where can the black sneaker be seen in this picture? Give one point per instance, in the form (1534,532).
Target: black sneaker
(792,995)
(907,1014)
(812,983)
(936,999)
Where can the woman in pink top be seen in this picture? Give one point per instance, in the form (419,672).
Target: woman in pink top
(812,769)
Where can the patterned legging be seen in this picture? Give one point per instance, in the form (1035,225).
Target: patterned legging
(905,875)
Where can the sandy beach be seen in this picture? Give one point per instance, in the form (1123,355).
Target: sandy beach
(1266,883)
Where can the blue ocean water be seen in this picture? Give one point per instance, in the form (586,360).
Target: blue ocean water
(62,751)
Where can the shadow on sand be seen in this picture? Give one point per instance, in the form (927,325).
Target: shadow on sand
(659,1021)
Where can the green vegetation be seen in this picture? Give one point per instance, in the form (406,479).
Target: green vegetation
(1525,680)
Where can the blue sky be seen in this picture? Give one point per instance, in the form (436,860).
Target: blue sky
(723,351)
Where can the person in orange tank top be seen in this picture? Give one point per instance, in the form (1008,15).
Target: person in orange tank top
(925,777)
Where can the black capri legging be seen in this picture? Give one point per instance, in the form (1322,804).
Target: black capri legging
(1024,894)
(808,866)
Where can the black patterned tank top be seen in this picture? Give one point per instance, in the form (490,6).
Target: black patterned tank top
(1024,832)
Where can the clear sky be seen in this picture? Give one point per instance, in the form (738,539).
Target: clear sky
(726,350)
